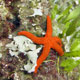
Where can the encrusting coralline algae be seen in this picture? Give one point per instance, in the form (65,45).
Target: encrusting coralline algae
(21,44)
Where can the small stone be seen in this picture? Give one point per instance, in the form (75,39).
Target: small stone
(10,36)
(0,55)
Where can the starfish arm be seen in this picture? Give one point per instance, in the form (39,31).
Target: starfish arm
(58,48)
(43,56)
(58,40)
(32,37)
(49,27)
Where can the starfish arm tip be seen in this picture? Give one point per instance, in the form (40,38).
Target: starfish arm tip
(61,54)
(43,56)
(21,32)
(58,49)
(18,33)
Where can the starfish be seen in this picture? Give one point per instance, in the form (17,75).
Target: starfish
(48,42)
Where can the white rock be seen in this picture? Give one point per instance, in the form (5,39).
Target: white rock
(32,55)
(13,53)
(0,55)
(26,46)
(37,12)
(33,24)
(10,36)
(76,58)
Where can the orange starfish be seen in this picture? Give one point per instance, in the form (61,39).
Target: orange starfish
(48,41)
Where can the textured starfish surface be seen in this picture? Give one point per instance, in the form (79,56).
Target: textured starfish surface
(48,42)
